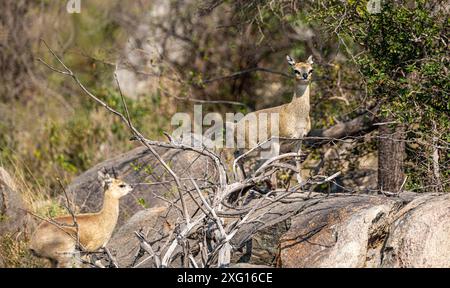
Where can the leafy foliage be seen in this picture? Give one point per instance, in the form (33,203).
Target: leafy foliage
(403,58)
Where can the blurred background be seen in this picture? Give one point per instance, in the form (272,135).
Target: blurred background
(170,55)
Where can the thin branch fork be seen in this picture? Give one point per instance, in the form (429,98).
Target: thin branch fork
(148,248)
(211,210)
(189,226)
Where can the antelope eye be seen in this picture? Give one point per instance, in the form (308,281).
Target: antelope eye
(310,71)
(122,185)
(297,72)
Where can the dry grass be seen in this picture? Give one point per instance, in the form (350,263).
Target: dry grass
(14,253)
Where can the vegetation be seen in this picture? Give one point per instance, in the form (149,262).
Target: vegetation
(404,61)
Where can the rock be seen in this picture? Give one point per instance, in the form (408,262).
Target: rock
(262,248)
(334,233)
(370,231)
(305,230)
(13,216)
(316,231)
(420,237)
(140,167)
(124,245)
(258,239)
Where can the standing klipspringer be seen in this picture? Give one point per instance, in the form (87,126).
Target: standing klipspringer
(293,118)
(57,241)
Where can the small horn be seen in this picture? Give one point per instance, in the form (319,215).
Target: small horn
(114,172)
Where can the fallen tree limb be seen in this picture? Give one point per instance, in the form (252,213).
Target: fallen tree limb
(358,126)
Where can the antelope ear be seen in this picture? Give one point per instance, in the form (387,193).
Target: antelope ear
(100,175)
(310,60)
(290,60)
(103,177)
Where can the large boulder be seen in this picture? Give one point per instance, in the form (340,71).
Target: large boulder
(370,231)
(334,233)
(304,230)
(256,243)
(315,231)
(420,234)
(125,246)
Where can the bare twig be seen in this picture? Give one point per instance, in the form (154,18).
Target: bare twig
(148,248)
(246,71)
(74,218)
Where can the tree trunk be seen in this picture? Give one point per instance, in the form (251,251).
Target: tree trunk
(391,152)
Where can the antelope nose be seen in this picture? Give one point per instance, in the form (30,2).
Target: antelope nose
(305,75)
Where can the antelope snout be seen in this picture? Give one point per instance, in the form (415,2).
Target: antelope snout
(305,76)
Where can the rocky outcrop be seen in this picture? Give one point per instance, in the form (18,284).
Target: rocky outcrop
(370,232)
(337,232)
(420,234)
(13,215)
(318,231)
(304,230)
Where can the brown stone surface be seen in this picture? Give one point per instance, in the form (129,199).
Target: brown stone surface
(333,233)
(13,216)
(362,231)
(421,236)
(317,230)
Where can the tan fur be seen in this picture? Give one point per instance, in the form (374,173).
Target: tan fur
(294,119)
(58,243)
